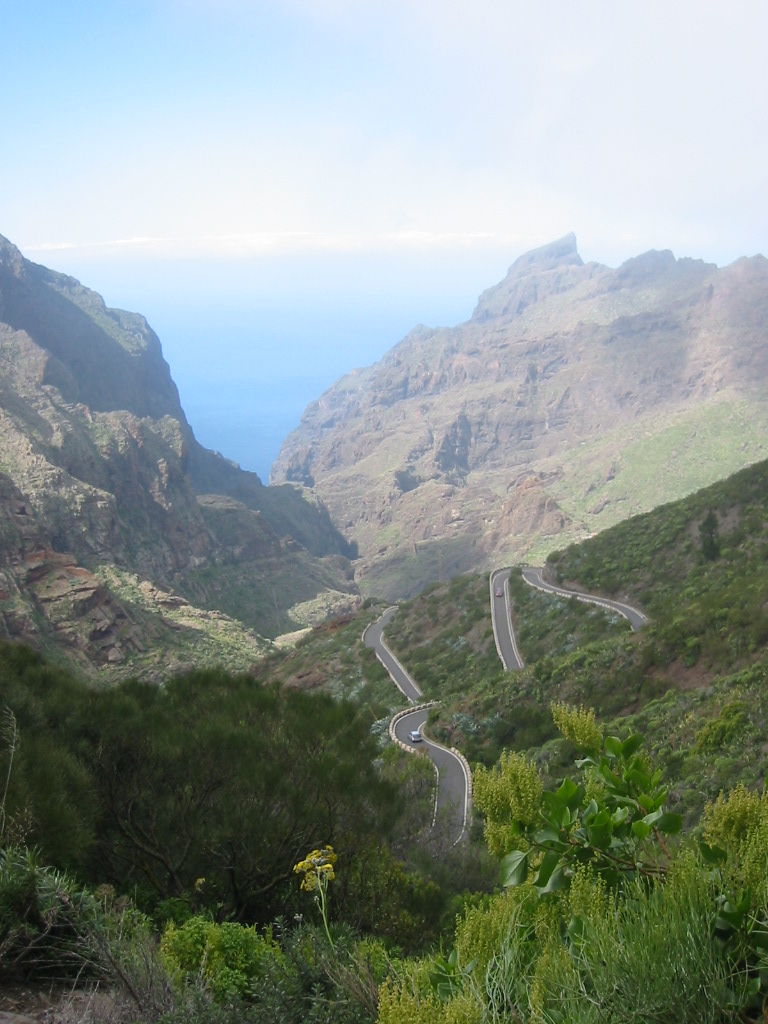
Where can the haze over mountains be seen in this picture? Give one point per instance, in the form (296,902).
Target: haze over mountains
(125,543)
(575,396)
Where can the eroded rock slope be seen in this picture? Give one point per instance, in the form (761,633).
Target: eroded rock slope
(126,547)
(575,396)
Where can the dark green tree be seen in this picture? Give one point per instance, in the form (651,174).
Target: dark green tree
(221,779)
(710,537)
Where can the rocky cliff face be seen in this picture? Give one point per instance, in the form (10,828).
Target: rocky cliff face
(574,396)
(124,543)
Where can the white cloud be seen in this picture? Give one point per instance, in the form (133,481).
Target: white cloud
(379,124)
(289,242)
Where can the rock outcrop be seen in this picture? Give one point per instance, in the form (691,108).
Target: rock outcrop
(576,395)
(124,545)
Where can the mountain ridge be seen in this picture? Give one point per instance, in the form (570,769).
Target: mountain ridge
(543,411)
(112,515)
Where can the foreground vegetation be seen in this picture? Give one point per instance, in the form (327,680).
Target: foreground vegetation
(605,915)
(144,826)
(693,681)
(150,835)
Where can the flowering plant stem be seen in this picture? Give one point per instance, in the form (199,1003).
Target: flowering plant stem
(323,885)
(317,868)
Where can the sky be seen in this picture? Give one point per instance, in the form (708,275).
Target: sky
(286,187)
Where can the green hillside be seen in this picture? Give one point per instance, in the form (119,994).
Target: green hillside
(193,800)
(693,680)
(605,912)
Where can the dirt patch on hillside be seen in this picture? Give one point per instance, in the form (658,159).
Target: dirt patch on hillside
(32,1004)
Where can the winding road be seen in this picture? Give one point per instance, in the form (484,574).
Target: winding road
(374,637)
(501,616)
(535,578)
(454,783)
(452,803)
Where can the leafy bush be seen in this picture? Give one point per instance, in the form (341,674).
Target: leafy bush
(605,921)
(228,957)
(43,916)
(299,980)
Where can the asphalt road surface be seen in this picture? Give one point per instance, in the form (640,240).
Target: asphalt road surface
(374,637)
(636,618)
(452,803)
(501,614)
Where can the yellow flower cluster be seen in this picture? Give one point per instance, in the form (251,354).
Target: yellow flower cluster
(579,726)
(317,868)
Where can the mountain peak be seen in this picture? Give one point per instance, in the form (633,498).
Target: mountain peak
(563,251)
(531,277)
(10,256)
(557,410)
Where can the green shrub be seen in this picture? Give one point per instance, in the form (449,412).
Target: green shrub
(649,957)
(410,1000)
(44,915)
(720,732)
(228,957)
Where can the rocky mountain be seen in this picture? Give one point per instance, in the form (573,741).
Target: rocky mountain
(575,396)
(126,547)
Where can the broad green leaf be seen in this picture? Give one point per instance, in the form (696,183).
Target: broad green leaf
(600,831)
(649,802)
(549,839)
(549,863)
(669,823)
(641,829)
(566,789)
(639,779)
(614,784)
(613,746)
(619,816)
(554,817)
(570,793)
(552,800)
(557,881)
(580,762)
(730,918)
(591,809)
(631,745)
(555,810)
(653,817)
(579,837)
(712,854)
(514,868)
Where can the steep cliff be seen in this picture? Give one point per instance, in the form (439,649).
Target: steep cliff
(124,543)
(576,395)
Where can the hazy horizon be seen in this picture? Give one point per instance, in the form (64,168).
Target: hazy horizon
(250,343)
(295,185)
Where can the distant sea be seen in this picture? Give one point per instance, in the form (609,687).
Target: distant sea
(246,378)
(248,421)
(252,342)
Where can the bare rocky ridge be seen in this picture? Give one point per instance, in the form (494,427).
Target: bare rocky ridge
(126,547)
(576,395)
